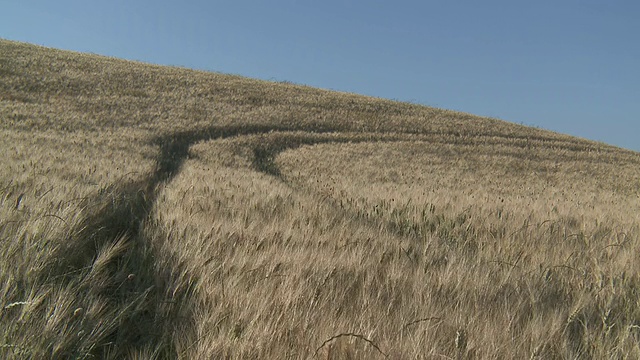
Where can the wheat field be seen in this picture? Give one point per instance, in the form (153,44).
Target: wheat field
(151,212)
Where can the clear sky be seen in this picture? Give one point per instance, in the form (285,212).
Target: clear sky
(571,66)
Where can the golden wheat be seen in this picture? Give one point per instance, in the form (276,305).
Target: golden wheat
(156,212)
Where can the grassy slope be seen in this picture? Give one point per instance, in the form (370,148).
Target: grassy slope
(154,212)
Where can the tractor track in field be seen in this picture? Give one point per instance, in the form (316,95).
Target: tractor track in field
(128,206)
(125,208)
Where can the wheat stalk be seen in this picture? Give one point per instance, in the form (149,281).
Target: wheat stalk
(358,336)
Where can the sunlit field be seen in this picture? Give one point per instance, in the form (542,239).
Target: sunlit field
(152,212)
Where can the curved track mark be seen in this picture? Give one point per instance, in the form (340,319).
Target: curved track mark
(126,207)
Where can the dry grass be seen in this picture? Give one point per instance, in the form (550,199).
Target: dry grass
(153,212)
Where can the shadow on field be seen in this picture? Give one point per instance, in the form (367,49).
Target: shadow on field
(174,148)
(115,259)
(137,278)
(110,261)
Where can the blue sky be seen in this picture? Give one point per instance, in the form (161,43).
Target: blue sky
(566,65)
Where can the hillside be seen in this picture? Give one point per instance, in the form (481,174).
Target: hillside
(160,212)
